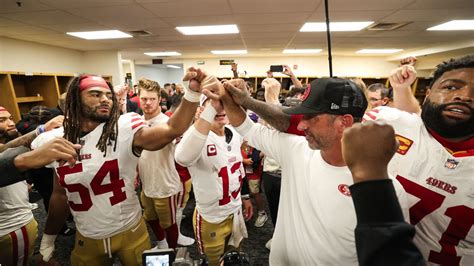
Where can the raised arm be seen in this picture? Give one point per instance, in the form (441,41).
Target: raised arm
(401,80)
(272,114)
(287,71)
(157,137)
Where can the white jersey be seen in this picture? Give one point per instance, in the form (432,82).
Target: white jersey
(157,168)
(316,216)
(15,210)
(439,189)
(100,190)
(217,177)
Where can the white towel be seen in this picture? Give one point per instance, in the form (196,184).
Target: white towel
(239,230)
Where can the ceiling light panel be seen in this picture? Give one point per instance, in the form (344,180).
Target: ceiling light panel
(209,30)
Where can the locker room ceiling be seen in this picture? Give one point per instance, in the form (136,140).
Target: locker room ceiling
(266,26)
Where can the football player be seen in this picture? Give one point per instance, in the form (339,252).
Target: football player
(215,165)
(99,190)
(435,160)
(161,183)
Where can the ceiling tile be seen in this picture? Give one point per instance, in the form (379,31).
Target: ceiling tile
(67,4)
(273,6)
(10,6)
(45,17)
(189,8)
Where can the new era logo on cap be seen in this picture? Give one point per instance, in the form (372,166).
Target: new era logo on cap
(334,106)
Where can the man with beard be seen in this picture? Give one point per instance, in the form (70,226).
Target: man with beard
(99,190)
(316,217)
(8,130)
(18,228)
(435,160)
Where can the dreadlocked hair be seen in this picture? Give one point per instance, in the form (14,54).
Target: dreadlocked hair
(73,113)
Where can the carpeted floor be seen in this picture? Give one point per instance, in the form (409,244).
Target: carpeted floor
(254,246)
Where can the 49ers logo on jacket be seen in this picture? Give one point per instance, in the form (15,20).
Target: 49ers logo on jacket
(405,144)
(211,150)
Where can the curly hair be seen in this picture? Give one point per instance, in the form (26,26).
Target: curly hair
(73,117)
(453,63)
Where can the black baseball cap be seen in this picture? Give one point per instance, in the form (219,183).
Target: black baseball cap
(336,96)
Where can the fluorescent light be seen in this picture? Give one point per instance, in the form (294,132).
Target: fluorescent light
(229,51)
(163,54)
(302,51)
(378,51)
(101,34)
(173,66)
(455,25)
(335,26)
(206,30)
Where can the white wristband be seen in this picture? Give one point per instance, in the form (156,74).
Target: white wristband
(191,96)
(208,114)
(47,246)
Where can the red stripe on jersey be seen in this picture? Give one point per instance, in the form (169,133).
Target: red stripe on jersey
(137,125)
(14,248)
(371,115)
(135,119)
(26,245)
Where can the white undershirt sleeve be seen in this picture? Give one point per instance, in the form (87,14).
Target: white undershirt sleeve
(189,149)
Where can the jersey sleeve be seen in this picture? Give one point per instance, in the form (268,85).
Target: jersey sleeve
(129,124)
(400,120)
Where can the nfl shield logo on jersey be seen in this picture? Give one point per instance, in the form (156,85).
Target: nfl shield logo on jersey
(451,164)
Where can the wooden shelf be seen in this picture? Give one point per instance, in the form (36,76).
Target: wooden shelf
(30,99)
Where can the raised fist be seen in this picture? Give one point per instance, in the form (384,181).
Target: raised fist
(367,148)
(402,77)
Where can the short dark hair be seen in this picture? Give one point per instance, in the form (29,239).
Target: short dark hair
(453,63)
(379,86)
(175,100)
(166,84)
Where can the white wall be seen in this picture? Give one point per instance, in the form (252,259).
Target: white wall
(162,75)
(22,56)
(16,55)
(103,63)
(307,66)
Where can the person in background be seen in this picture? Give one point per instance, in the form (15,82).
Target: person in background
(296,82)
(377,95)
(18,228)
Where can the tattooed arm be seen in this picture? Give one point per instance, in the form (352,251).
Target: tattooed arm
(272,114)
(24,140)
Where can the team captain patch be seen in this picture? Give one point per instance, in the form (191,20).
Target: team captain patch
(405,144)
(211,150)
